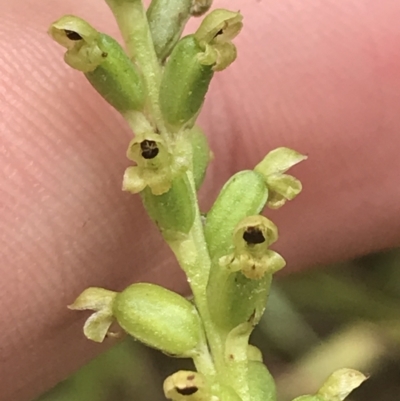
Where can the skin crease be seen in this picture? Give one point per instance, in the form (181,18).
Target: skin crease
(322,77)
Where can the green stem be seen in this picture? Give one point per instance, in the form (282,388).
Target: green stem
(192,255)
(133,24)
(229,352)
(237,361)
(137,121)
(203,361)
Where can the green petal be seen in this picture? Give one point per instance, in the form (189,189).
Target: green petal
(133,181)
(275,262)
(340,384)
(219,26)
(284,185)
(278,161)
(93,298)
(97,325)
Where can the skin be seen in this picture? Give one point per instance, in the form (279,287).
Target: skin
(320,77)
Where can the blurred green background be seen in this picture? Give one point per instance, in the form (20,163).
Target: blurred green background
(346,315)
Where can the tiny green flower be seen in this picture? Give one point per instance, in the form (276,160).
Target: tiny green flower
(282,187)
(191,66)
(187,386)
(252,237)
(160,178)
(215,35)
(81,41)
(102,60)
(244,194)
(144,311)
(153,167)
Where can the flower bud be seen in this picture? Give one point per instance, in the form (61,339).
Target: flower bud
(159,318)
(282,187)
(102,60)
(261,383)
(245,194)
(184,84)
(167,18)
(252,237)
(201,155)
(187,386)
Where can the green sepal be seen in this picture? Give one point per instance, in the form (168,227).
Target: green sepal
(261,383)
(184,84)
(244,194)
(167,18)
(173,212)
(160,318)
(201,154)
(102,60)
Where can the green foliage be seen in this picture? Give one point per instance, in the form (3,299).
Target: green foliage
(103,61)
